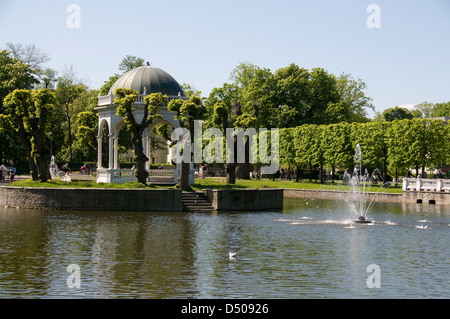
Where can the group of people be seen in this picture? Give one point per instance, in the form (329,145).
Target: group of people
(66,169)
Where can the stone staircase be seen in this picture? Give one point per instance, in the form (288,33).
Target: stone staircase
(195,201)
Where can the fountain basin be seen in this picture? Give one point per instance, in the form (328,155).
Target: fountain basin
(362,220)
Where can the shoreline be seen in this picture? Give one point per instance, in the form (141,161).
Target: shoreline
(170,199)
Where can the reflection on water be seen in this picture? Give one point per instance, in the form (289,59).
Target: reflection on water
(311,249)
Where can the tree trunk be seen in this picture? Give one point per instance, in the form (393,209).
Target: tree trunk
(321,173)
(231,173)
(384,170)
(141,159)
(69,132)
(231,167)
(31,161)
(243,169)
(184,176)
(42,158)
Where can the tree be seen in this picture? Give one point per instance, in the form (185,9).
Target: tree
(86,136)
(220,119)
(124,100)
(322,93)
(291,95)
(418,143)
(353,102)
(425,107)
(130,62)
(337,146)
(29,54)
(48,77)
(371,138)
(441,110)
(187,111)
(304,140)
(14,74)
(396,113)
(68,89)
(190,90)
(287,147)
(29,113)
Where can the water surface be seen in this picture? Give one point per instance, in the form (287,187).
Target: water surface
(311,249)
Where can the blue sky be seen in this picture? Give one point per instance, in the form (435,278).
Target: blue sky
(406,61)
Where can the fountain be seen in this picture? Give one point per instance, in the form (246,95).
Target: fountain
(360,199)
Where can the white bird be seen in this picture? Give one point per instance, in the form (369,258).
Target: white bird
(233,255)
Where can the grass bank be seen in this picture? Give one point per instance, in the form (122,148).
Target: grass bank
(208,183)
(219,183)
(79,184)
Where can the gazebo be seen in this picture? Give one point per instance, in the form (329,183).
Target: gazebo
(145,80)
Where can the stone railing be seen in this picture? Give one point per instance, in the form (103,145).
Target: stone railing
(422,184)
(104,100)
(162,176)
(121,176)
(118,176)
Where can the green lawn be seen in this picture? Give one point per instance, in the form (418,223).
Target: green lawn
(219,183)
(79,184)
(213,183)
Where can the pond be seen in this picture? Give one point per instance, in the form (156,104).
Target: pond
(311,249)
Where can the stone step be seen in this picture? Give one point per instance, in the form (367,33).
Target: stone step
(194,201)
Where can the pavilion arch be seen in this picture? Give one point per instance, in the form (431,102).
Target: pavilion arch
(152,126)
(104,123)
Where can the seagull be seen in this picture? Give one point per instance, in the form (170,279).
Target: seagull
(233,255)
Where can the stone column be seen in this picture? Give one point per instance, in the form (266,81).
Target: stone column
(146,146)
(111,151)
(99,151)
(419,185)
(116,152)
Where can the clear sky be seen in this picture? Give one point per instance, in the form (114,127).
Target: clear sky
(404,61)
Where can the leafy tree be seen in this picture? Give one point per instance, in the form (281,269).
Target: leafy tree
(322,93)
(304,141)
(86,136)
(124,100)
(371,138)
(48,77)
(286,146)
(291,95)
(441,110)
(187,111)
(426,108)
(254,85)
(353,102)
(14,74)
(220,119)
(190,90)
(130,62)
(29,114)
(337,146)
(418,143)
(68,89)
(104,90)
(396,113)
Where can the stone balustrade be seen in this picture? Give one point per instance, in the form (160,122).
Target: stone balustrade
(425,184)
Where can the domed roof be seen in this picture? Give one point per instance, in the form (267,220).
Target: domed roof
(154,80)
